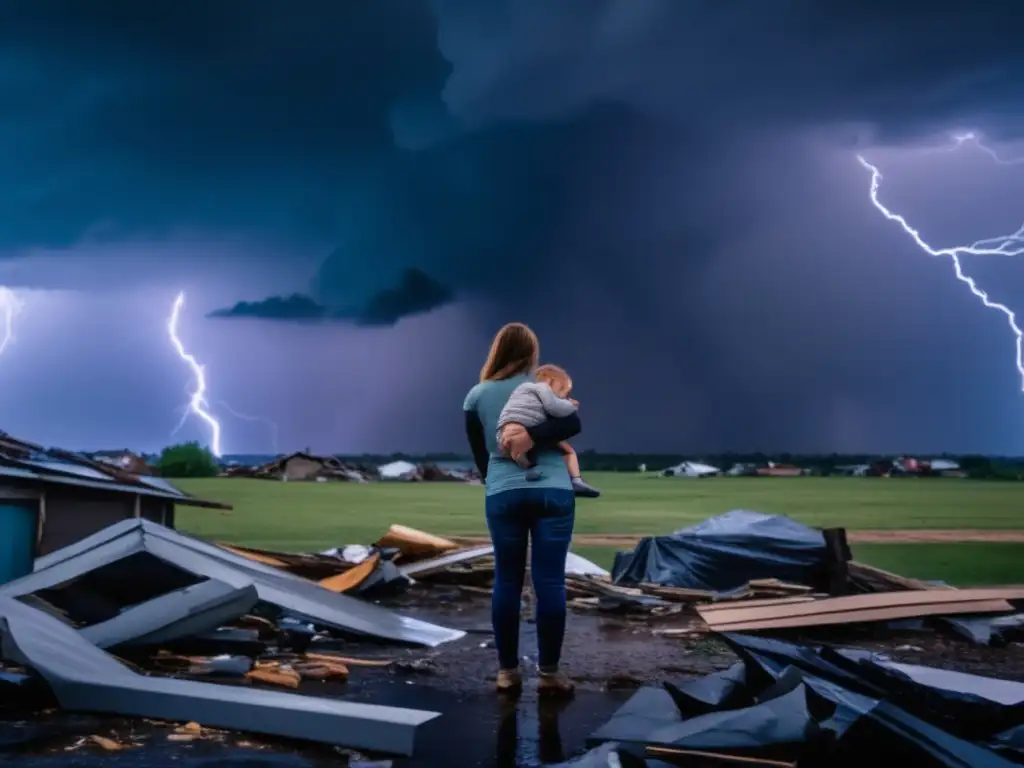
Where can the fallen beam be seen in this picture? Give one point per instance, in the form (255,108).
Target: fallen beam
(437,564)
(85,679)
(199,608)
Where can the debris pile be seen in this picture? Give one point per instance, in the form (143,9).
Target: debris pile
(139,620)
(817,707)
(741,571)
(299,467)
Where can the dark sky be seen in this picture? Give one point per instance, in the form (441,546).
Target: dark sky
(667,190)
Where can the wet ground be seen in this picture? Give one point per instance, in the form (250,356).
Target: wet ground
(608,656)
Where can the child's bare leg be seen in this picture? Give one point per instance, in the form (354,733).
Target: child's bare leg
(572,463)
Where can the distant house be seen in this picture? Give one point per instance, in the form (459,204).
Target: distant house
(398,470)
(126,460)
(51,498)
(691,469)
(302,466)
(779,470)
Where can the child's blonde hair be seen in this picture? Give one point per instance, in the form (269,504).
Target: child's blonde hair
(553,375)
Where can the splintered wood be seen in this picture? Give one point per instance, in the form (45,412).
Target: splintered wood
(353,577)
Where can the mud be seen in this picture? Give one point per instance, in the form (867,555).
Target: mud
(608,657)
(895,536)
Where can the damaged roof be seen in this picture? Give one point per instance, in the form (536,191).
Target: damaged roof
(29,463)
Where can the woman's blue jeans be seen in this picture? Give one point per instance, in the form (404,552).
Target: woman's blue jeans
(543,518)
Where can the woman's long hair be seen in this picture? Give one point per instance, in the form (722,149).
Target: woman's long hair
(514,350)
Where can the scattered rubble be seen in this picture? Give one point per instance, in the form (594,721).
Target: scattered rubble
(141,621)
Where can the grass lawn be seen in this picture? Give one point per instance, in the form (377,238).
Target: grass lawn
(313,516)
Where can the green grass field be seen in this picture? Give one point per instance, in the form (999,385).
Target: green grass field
(312,516)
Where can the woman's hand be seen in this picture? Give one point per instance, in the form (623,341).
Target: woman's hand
(515,441)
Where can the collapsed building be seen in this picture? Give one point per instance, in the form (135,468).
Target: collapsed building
(52,498)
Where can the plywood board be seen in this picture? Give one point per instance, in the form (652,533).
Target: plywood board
(769,601)
(853,603)
(720,623)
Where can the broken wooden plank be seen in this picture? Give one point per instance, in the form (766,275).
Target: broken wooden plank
(330,658)
(865,602)
(786,612)
(353,577)
(889,613)
(415,544)
(770,601)
(254,554)
(680,594)
(719,757)
(880,578)
(782,586)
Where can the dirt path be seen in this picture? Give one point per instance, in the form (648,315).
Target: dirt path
(923,536)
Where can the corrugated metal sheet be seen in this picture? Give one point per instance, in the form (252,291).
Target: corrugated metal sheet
(68,468)
(141,490)
(28,462)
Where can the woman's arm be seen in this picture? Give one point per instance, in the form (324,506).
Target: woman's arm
(552,431)
(477,443)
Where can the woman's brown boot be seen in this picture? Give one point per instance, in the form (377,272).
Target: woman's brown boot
(509,681)
(555,684)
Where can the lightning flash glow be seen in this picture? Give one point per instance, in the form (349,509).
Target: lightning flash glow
(271,425)
(1005,245)
(197,405)
(10,306)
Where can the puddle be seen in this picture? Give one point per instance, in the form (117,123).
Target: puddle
(477,730)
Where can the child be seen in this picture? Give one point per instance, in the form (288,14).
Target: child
(533,402)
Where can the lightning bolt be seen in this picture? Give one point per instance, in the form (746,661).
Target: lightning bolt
(10,306)
(272,425)
(1004,245)
(197,405)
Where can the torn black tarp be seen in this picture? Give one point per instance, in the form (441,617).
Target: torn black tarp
(726,552)
(824,709)
(292,594)
(727,689)
(85,679)
(984,630)
(200,608)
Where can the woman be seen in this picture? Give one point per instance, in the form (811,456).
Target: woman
(521,511)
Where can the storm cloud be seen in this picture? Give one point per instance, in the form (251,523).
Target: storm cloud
(415,294)
(666,189)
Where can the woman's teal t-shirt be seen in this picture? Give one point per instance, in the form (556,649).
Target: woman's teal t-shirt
(487,399)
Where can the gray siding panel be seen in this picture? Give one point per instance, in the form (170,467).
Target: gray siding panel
(71,517)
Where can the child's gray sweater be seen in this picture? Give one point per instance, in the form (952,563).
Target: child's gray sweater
(531,403)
